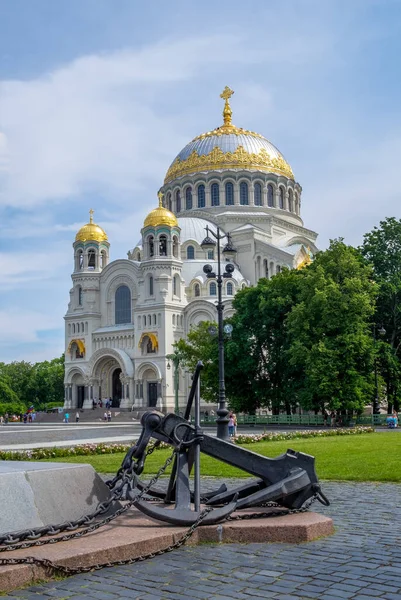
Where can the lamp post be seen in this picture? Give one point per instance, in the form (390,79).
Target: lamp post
(376,403)
(175,358)
(229,251)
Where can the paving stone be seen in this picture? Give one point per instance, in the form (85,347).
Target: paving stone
(355,563)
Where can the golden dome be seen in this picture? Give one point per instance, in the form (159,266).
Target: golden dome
(228,147)
(91,232)
(160,216)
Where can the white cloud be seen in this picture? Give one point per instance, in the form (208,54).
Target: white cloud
(99,124)
(22,328)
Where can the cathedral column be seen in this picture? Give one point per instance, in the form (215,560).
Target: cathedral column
(222,195)
(251,195)
(207,196)
(286,196)
(236,194)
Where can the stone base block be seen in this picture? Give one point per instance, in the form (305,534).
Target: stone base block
(36,494)
(132,535)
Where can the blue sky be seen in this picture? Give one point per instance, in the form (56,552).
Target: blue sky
(97,97)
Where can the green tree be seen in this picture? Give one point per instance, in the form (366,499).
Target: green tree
(382,248)
(258,371)
(329,328)
(48,383)
(7,395)
(19,375)
(200,345)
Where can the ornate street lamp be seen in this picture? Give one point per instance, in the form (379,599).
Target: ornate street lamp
(175,358)
(376,404)
(229,251)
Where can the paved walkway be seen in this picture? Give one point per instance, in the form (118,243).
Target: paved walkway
(361,561)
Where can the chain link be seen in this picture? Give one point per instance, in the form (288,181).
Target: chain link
(124,477)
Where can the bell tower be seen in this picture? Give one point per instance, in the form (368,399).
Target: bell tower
(91,256)
(161,303)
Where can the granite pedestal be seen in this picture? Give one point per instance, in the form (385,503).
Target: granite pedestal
(36,494)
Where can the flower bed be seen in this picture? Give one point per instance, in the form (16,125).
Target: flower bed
(292,435)
(91,449)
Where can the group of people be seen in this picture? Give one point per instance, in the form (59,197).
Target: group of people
(99,403)
(27,417)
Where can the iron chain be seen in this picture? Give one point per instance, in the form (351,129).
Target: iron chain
(87,524)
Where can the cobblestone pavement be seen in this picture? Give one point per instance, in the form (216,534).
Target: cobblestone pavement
(359,562)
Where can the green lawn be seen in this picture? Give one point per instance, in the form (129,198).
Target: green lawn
(369,457)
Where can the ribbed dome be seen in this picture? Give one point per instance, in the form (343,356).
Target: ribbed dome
(91,232)
(228,147)
(160,216)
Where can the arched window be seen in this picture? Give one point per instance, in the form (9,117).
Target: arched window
(281,198)
(169,203)
(144,321)
(229,193)
(213,289)
(197,290)
(176,286)
(73,328)
(270,195)
(290,201)
(77,327)
(154,319)
(266,268)
(163,245)
(79,296)
(151,245)
(91,259)
(201,196)
(175,246)
(190,253)
(230,289)
(188,198)
(278,269)
(243,193)
(123,305)
(151,286)
(215,194)
(178,201)
(258,194)
(69,328)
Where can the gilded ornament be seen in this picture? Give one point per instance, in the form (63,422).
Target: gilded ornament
(160,216)
(91,232)
(239,159)
(305,259)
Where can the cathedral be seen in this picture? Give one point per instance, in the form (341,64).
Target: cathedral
(124,316)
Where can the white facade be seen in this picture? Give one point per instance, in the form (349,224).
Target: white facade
(124,317)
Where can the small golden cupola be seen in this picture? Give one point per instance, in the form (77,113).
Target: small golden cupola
(91,232)
(160,216)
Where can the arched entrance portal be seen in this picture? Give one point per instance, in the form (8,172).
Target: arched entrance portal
(117,388)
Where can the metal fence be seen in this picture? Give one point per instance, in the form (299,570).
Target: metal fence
(302,420)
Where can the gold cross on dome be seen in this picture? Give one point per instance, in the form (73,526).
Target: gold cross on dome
(226,93)
(227,112)
(160,196)
(91,213)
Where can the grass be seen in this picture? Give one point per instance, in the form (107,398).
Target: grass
(369,457)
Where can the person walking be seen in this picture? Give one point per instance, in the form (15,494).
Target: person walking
(109,415)
(66,417)
(77,417)
(231,426)
(105,416)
